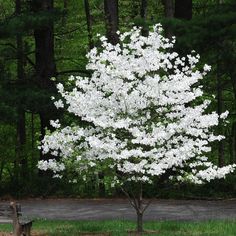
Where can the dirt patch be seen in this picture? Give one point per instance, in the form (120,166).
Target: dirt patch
(146,232)
(5,234)
(33,233)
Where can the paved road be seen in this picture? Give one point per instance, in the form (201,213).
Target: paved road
(77,209)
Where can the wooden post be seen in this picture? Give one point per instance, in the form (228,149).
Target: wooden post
(17,229)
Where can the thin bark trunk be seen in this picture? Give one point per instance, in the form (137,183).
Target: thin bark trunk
(136,201)
(32,131)
(101,185)
(33,160)
(139,210)
(112,20)
(89,23)
(139,222)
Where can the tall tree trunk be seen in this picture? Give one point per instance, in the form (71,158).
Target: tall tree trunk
(143,9)
(134,8)
(112,20)
(45,62)
(44,48)
(169,14)
(233,130)
(65,6)
(21,130)
(219,111)
(143,14)
(89,23)
(169,8)
(183,9)
(233,142)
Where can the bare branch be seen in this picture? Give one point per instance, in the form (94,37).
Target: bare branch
(147,205)
(127,195)
(25,55)
(70,31)
(74,71)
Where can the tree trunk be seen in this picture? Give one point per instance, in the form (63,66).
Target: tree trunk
(233,142)
(135,7)
(1,170)
(45,62)
(139,222)
(21,130)
(143,9)
(112,20)
(21,143)
(136,201)
(101,185)
(89,23)
(44,46)
(143,14)
(219,111)
(183,9)
(139,209)
(65,6)
(169,14)
(232,71)
(169,8)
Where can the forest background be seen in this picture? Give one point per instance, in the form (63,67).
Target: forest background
(43,42)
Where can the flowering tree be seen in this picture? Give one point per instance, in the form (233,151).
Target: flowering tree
(145,117)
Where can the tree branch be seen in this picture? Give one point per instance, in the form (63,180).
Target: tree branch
(25,55)
(87,72)
(68,32)
(127,195)
(147,205)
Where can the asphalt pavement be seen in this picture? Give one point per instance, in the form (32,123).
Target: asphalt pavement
(104,209)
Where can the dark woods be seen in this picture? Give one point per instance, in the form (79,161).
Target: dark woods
(42,42)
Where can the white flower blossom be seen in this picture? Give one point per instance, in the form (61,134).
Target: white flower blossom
(141,120)
(59,104)
(224,115)
(55,123)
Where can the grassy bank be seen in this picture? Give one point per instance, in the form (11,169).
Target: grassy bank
(120,228)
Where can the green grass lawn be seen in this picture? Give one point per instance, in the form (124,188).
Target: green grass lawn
(120,227)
